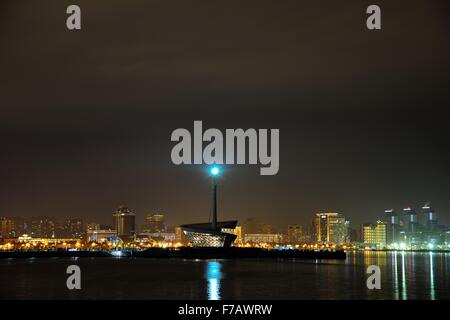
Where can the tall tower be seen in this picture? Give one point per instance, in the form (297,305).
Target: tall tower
(331,227)
(154,223)
(430,216)
(411,216)
(124,222)
(214,173)
(393,226)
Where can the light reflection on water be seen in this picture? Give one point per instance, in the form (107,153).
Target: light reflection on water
(394,271)
(432,294)
(404,288)
(213,278)
(404,275)
(409,271)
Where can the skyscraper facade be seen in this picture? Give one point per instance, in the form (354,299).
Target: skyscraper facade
(393,226)
(7,227)
(154,223)
(43,227)
(124,223)
(374,235)
(331,227)
(295,234)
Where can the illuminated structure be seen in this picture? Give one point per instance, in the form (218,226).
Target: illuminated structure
(331,227)
(179,235)
(43,227)
(124,223)
(7,227)
(154,223)
(269,238)
(295,234)
(98,235)
(72,228)
(374,235)
(430,217)
(411,217)
(214,233)
(415,231)
(393,226)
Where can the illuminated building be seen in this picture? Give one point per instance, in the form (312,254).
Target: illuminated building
(124,223)
(213,234)
(180,236)
(98,235)
(160,236)
(374,235)
(72,228)
(411,216)
(393,226)
(270,238)
(19,226)
(295,234)
(92,226)
(238,232)
(430,217)
(154,223)
(331,227)
(202,235)
(251,225)
(7,227)
(43,227)
(266,228)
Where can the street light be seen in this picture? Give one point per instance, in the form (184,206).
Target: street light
(214,171)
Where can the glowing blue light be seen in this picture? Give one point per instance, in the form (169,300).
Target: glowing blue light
(214,170)
(213,276)
(117,253)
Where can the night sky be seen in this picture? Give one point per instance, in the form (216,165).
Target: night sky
(86,116)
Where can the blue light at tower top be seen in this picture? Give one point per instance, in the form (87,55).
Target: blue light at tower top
(215,170)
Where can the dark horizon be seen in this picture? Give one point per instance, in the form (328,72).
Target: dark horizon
(86,116)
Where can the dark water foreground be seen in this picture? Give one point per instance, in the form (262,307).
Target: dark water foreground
(185,253)
(403,276)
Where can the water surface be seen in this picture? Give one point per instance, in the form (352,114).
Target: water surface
(403,276)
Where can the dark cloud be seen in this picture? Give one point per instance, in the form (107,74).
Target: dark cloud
(85,117)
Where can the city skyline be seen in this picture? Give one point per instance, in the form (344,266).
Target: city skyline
(213,159)
(85,131)
(305,221)
(157,222)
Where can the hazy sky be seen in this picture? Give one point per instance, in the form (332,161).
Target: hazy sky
(86,116)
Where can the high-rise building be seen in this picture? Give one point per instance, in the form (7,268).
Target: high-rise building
(266,228)
(374,235)
(411,217)
(7,228)
(154,223)
(179,235)
(393,226)
(251,225)
(43,227)
(238,233)
(430,218)
(21,226)
(331,227)
(295,234)
(72,228)
(92,226)
(354,235)
(124,223)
